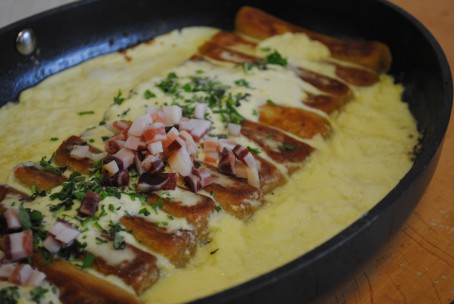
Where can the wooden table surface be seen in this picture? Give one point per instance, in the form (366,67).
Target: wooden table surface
(417,264)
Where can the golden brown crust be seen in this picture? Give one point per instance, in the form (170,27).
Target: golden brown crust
(140,272)
(234,196)
(62,155)
(177,246)
(302,123)
(260,25)
(43,180)
(196,214)
(279,146)
(77,286)
(356,76)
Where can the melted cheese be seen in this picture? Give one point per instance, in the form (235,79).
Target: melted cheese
(368,154)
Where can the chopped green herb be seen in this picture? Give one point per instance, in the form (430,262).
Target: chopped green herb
(100,241)
(276,58)
(217,208)
(253,150)
(144,212)
(91,140)
(118,100)
(85,113)
(104,138)
(157,205)
(87,261)
(119,242)
(111,208)
(53,138)
(46,165)
(242,83)
(286,147)
(170,217)
(148,94)
(270,102)
(9,295)
(24,218)
(265,49)
(37,294)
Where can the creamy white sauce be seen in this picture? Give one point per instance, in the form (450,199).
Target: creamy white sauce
(348,174)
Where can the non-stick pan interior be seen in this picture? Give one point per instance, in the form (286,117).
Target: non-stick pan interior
(77,32)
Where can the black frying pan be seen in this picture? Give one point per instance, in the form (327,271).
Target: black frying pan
(77,32)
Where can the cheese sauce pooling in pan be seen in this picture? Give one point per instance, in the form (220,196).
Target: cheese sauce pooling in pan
(368,153)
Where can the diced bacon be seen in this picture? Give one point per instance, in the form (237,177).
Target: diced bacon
(138,165)
(118,180)
(120,126)
(51,244)
(171,136)
(210,145)
(112,145)
(64,232)
(211,158)
(203,175)
(180,162)
(154,132)
(125,156)
(149,182)
(245,156)
(97,156)
(201,128)
(187,124)
(139,124)
(19,245)
(12,218)
(79,151)
(90,204)
(226,144)
(226,163)
(199,110)
(155,147)
(36,278)
(158,116)
(6,270)
(193,182)
(176,145)
(234,129)
(190,143)
(111,168)
(173,114)
(21,274)
(153,163)
(240,169)
(134,143)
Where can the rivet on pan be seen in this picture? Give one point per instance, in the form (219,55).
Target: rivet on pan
(26,42)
